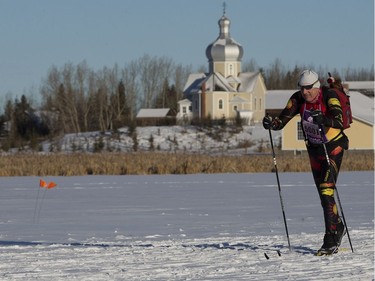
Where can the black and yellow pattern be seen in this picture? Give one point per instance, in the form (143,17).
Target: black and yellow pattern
(325,175)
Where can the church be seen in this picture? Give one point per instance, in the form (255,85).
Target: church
(225,92)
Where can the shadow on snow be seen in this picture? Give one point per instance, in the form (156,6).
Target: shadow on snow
(219,246)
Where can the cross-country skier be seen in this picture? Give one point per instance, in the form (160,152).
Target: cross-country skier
(322,123)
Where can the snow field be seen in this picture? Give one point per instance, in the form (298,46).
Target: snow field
(180,227)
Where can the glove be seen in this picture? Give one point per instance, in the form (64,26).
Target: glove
(318,117)
(269,123)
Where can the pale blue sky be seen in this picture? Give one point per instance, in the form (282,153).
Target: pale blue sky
(36,34)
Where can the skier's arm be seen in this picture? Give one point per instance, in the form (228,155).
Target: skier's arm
(334,117)
(291,109)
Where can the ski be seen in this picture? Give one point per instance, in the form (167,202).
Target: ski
(267,256)
(320,253)
(335,251)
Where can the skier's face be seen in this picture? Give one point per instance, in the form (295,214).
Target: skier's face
(310,94)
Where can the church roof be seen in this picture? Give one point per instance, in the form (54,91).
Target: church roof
(194,82)
(184,101)
(247,82)
(238,99)
(233,79)
(216,80)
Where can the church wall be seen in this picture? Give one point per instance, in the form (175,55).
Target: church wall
(258,101)
(228,68)
(219,67)
(213,104)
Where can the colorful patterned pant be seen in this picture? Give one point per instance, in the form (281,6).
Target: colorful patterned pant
(325,177)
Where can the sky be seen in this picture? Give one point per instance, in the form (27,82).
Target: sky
(39,34)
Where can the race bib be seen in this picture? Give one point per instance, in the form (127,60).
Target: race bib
(313,132)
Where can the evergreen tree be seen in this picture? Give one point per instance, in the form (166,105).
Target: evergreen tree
(22,120)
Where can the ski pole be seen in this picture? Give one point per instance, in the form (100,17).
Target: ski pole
(337,195)
(278,184)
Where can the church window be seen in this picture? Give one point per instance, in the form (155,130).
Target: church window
(220,104)
(230,70)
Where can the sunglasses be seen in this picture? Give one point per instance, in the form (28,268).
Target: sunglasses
(308,87)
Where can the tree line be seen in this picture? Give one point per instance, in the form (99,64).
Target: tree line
(277,76)
(75,98)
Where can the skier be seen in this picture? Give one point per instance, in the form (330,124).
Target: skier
(322,124)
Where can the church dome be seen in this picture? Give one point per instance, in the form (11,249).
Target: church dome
(224,48)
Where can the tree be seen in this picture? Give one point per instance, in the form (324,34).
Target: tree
(161,99)
(153,72)
(168,97)
(21,120)
(25,125)
(179,78)
(119,106)
(102,105)
(129,77)
(82,80)
(250,66)
(275,75)
(9,118)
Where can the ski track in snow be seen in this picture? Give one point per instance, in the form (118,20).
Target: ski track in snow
(195,227)
(229,258)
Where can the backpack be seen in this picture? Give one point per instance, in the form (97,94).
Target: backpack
(336,85)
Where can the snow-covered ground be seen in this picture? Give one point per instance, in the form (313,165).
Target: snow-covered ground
(192,139)
(180,227)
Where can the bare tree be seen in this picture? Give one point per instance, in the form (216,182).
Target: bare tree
(82,92)
(102,101)
(181,74)
(275,75)
(250,66)
(129,77)
(153,72)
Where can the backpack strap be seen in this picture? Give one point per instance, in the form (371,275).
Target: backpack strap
(325,95)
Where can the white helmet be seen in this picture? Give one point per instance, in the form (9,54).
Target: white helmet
(309,78)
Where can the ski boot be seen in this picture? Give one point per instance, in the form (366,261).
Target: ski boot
(332,241)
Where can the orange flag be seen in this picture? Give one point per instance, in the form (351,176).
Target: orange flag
(51,185)
(42,183)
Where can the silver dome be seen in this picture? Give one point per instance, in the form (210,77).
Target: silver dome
(224,48)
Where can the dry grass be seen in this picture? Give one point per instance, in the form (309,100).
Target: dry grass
(76,164)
